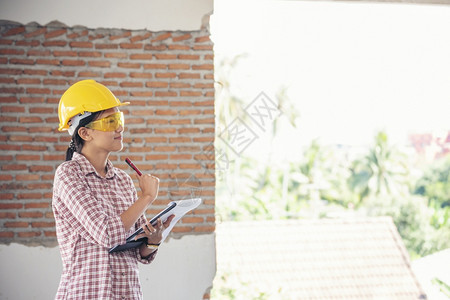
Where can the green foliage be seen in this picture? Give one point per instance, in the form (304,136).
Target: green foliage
(382,171)
(376,184)
(435,184)
(229,285)
(443,287)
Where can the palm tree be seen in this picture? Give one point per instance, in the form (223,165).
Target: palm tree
(382,171)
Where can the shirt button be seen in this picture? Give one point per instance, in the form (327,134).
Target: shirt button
(123,297)
(123,273)
(105,185)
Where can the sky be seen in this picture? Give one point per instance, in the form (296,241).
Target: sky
(350,68)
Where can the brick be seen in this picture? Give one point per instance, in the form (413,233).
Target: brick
(140,75)
(35,33)
(157,84)
(53,62)
(124,35)
(131,84)
(38,91)
(7,215)
(131,46)
(37,205)
(27,177)
(179,47)
(18,61)
(10,71)
(164,148)
(203,67)
(40,185)
(182,229)
(183,37)
(12,52)
(29,234)
(14,31)
(41,168)
(166,94)
(16,224)
(189,76)
(6,196)
(35,72)
(6,157)
(190,166)
(179,67)
(106,46)
(202,39)
(55,33)
(54,43)
(12,109)
(89,54)
(72,62)
(27,157)
(11,205)
(6,234)
(115,75)
(89,74)
(141,56)
(180,140)
(190,94)
(81,44)
(102,64)
(64,53)
(14,129)
(203,47)
(140,37)
(162,37)
(155,47)
(116,55)
(9,148)
(156,157)
(6,42)
(187,220)
(129,65)
(188,57)
(42,224)
(7,80)
(30,120)
(34,214)
(22,43)
(9,99)
(204,229)
(141,94)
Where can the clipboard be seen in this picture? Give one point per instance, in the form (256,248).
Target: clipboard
(179,208)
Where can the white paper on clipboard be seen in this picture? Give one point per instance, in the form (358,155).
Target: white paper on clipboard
(182,207)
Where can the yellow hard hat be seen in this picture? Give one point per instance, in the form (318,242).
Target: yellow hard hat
(85,96)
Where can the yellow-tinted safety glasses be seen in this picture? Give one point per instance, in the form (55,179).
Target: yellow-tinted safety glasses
(110,123)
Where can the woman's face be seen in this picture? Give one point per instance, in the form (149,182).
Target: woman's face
(108,141)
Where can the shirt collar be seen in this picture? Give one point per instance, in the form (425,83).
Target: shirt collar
(87,168)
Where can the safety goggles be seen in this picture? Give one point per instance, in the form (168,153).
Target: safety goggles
(110,123)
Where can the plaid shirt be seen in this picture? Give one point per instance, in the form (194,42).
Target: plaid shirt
(87,210)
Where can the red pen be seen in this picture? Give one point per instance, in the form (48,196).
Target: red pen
(128,161)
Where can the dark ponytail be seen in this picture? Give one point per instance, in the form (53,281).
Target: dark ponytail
(76,144)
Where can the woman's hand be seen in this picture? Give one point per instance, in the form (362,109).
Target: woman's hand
(149,186)
(154,234)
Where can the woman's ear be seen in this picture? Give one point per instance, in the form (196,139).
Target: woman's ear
(84,133)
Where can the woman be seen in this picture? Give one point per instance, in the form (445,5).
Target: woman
(95,204)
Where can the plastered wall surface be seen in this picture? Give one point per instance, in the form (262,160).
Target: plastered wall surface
(184,269)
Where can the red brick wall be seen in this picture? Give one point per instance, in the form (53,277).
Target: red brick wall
(167,77)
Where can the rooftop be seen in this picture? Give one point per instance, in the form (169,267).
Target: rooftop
(360,258)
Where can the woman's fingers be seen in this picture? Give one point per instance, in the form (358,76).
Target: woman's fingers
(167,222)
(154,233)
